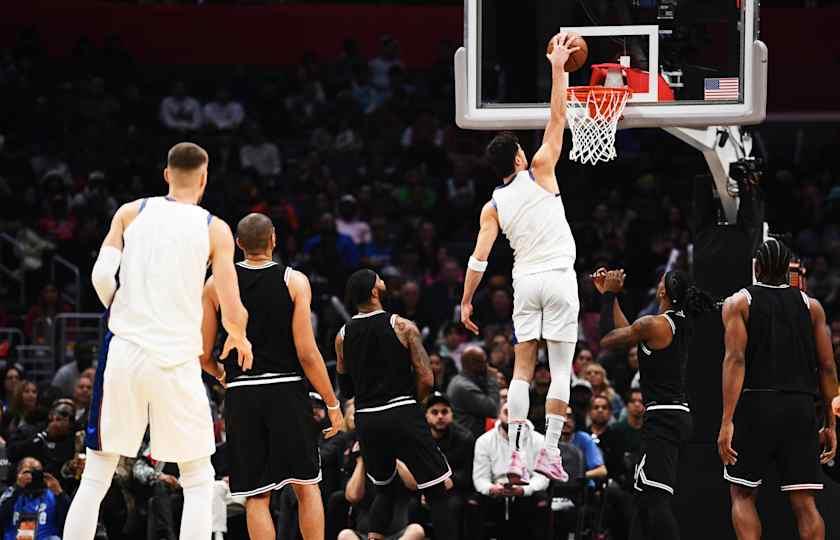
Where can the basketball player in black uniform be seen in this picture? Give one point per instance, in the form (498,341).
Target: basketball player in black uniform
(663,342)
(272,439)
(778,363)
(382,362)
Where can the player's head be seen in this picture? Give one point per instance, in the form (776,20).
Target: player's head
(365,287)
(255,235)
(186,167)
(506,155)
(772,262)
(676,291)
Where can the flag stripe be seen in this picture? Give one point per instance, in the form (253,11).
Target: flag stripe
(721,89)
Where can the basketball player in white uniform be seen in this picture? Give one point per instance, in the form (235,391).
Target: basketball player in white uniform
(149,372)
(529,211)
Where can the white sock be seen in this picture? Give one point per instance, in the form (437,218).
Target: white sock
(518,404)
(84,510)
(553,430)
(197,480)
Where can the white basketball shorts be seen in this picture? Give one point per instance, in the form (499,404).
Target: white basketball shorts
(132,392)
(545,305)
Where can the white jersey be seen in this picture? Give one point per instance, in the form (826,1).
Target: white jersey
(157,306)
(534,222)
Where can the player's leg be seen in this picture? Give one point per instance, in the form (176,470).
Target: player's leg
(197,482)
(310,511)
(258,517)
(654,518)
(82,518)
(744,514)
(117,422)
(808,518)
(376,432)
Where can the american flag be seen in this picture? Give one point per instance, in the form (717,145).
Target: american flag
(726,88)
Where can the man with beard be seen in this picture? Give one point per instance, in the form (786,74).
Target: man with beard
(474,393)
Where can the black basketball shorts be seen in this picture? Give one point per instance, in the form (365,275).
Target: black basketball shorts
(400,433)
(272,438)
(665,430)
(776,428)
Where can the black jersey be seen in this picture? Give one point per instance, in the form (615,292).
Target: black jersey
(377,361)
(266,296)
(781,352)
(662,372)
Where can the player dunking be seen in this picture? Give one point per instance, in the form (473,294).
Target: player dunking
(148,372)
(270,434)
(530,213)
(778,363)
(381,361)
(663,341)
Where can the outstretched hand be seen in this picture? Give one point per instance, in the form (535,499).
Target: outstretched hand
(614,281)
(466,318)
(598,279)
(245,356)
(560,49)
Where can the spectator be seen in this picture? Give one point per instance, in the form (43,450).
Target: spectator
(454,342)
(359,493)
(457,444)
(446,292)
(332,255)
(35,503)
(82,395)
(41,317)
(443,369)
(224,114)
(162,489)
(22,410)
(382,64)
(12,375)
(378,253)
(52,443)
(582,359)
(594,460)
(597,377)
(522,510)
(539,392)
(348,222)
(179,112)
(67,375)
(474,393)
(259,154)
(95,199)
(411,306)
(629,428)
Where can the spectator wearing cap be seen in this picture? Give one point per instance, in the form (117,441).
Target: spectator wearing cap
(521,509)
(52,443)
(35,502)
(474,393)
(457,445)
(67,375)
(348,222)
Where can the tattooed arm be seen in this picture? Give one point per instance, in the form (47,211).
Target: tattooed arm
(409,335)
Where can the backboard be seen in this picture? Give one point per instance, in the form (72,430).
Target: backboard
(689,62)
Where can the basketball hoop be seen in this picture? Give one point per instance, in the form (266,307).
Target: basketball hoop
(592,114)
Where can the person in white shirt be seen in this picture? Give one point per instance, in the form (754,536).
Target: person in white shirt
(490,467)
(180,112)
(149,373)
(260,154)
(529,211)
(348,221)
(224,114)
(382,64)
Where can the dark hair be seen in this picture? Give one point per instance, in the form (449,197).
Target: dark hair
(359,287)
(600,396)
(774,260)
(254,233)
(632,391)
(186,156)
(501,153)
(685,296)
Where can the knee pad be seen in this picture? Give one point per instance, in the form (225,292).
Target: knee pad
(560,356)
(100,467)
(196,473)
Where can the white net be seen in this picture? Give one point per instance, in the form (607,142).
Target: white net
(592,114)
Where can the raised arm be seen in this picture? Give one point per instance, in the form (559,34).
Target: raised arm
(234,314)
(828,378)
(209,329)
(307,350)
(735,313)
(487,233)
(409,335)
(104,273)
(653,330)
(545,160)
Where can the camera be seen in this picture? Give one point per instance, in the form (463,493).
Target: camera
(37,483)
(747,169)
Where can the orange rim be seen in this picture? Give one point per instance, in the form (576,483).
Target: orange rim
(582,92)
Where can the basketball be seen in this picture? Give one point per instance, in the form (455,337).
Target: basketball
(578,58)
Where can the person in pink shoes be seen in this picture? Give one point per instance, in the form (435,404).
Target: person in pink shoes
(529,210)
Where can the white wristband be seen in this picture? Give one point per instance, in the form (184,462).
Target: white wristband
(334,407)
(476,265)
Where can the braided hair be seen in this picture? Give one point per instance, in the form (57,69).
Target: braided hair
(773,262)
(685,296)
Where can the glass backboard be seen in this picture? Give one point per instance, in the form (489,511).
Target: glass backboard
(689,62)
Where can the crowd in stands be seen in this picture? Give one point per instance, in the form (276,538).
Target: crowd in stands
(358,163)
